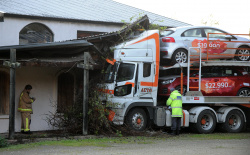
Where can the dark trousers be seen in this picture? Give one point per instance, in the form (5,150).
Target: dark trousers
(176,123)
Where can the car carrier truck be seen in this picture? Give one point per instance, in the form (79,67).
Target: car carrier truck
(132,86)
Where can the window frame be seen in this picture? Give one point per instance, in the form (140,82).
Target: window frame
(30,33)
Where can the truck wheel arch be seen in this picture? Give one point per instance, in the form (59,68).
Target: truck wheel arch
(144,105)
(195,111)
(223,112)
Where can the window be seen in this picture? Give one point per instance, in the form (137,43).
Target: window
(109,74)
(166,33)
(35,33)
(219,35)
(227,71)
(4,92)
(65,91)
(146,69)
(212,72)
(192,33)
(125,72)
(123,90)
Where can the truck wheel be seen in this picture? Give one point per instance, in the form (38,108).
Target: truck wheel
(242,54)
(234,122)
(137,119)
(180,56)
(206,122)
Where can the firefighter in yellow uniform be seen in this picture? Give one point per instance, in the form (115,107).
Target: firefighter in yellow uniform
(175,101)
(25,107)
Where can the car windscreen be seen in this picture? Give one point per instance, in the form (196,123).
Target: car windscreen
(166,33)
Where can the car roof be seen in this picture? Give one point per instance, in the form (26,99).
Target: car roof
(191,27)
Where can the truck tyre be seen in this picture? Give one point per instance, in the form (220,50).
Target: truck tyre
(180,56)
(136,119)
(206,122)
(242,54)
(234,122)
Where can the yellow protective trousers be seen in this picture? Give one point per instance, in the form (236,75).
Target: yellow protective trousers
(25,121)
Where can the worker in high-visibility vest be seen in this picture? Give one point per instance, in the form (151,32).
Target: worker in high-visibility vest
(175,101)
(25,107)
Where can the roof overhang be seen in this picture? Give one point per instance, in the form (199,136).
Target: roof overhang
(48,54)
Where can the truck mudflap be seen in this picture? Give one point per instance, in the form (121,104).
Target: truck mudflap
(184,119)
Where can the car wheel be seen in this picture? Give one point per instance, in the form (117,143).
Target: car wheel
(136,119)
(180,56)
(242,54)
(234,122)
(206,122)
(244,92)
(179,89)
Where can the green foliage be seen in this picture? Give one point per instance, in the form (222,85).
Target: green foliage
(156,26)
(3,142)
(118,133)
(97,112)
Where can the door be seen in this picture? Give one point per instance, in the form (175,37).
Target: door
(215,81)
(125,80)
(145,80)
(4,92)
(193,38)
(219,46)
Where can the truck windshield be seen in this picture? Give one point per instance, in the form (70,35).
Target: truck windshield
(109,75)
(125,72)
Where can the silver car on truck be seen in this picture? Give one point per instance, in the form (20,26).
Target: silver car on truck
(175,43)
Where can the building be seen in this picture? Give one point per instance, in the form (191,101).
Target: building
(53,73)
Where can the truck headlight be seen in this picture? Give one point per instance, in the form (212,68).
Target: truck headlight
(168,81)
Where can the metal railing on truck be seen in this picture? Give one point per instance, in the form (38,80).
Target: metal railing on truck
(196,97)
(210,46)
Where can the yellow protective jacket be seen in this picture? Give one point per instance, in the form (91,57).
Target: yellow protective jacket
(25,102)
(175,101)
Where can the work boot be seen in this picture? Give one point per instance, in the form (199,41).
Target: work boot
(173,133)
(177,132)
(28,132)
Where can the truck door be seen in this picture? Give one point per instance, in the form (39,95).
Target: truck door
(145,80)
(125,80)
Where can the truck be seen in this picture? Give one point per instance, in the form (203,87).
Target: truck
(131,83)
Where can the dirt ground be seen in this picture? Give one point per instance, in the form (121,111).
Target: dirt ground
(176,145)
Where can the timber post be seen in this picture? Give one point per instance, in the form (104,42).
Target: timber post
(86,66)
(12,64)
(12,93)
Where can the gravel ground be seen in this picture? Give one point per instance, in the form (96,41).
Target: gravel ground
(178,145)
